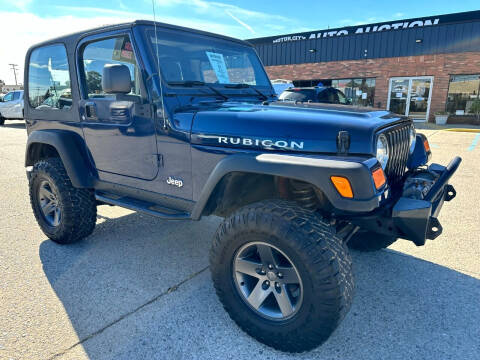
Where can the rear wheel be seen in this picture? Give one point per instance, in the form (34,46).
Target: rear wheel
(2,120)
(369,241)
(282,274)
(65,214)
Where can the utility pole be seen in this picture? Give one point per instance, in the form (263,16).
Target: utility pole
(14,68)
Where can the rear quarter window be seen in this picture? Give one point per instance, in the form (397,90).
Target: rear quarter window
(49,78)
(298,95)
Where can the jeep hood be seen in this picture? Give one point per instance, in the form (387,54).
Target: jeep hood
(277,126)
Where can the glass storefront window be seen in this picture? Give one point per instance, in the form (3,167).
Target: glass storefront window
(360,92)
(463,90)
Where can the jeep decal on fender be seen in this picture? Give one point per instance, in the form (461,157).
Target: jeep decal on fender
(265,143)
(174,181)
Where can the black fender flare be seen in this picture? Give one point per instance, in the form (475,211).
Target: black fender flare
(315,170)
(72,151)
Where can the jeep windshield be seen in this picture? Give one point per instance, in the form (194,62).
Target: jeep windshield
(189,58)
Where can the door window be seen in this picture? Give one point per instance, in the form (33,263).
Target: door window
(340,97)
(419,94)
(325,96)
(398,96)
(8,97)
(49,78)
(97,54)
(16,95)
(410,97)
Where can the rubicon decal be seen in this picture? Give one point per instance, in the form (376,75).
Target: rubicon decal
(265,143)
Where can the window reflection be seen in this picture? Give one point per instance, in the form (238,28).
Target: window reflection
(49,78)
(109,51)
(360,91)
(463,90)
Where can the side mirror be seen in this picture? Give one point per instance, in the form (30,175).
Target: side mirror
(116,79)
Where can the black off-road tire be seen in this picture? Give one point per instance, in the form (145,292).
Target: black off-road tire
(78,206)
(2,120)
(367,241)
(322,259)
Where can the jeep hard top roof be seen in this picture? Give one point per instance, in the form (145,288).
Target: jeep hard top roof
(74,37)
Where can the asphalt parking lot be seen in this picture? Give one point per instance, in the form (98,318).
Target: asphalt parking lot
(139,287)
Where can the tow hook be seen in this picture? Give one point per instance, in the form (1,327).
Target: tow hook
(434,228)
(450,192)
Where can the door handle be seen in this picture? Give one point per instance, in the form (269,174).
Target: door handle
(91,111)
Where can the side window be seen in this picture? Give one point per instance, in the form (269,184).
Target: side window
(8,97)
(97,54)
(341,97)
(323,96)
(49,78)
(16,95)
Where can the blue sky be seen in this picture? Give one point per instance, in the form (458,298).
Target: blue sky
(37,20)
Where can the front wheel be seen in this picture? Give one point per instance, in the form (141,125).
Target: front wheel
(282,274)
(2,120)
(65,214)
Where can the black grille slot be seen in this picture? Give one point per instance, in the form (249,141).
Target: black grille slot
(399,143)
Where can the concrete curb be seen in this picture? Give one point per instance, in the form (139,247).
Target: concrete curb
(462,130)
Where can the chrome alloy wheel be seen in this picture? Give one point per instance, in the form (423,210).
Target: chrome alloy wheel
(268,281)
(49,204)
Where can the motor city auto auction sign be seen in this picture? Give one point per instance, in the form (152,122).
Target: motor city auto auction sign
(360,30)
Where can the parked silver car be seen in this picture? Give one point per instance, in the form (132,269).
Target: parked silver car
(11,106)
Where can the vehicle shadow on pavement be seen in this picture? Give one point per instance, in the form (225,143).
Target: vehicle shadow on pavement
(16,125)
(404,307)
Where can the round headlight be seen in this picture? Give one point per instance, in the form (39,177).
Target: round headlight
(413,137)
(382,150)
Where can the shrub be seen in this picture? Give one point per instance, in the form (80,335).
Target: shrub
(475,109)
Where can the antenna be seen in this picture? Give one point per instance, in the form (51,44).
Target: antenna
(158,66)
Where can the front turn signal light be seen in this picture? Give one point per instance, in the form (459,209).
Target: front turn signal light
(342,185)
(378,178)
(426,145)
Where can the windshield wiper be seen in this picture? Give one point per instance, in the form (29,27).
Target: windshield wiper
(191,83)
(247,86)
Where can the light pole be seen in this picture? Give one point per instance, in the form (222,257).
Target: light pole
(14,68)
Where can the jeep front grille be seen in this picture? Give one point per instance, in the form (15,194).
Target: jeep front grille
(399,144)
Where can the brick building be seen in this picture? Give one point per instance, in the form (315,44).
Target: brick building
(414,67)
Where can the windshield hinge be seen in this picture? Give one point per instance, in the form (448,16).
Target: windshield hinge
(160,160)
(343,142)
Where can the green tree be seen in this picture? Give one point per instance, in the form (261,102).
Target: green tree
(94,82)
(475,109)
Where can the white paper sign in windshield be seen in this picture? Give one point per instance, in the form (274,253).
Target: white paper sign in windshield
(218,65)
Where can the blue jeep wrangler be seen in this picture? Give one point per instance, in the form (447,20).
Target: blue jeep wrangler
(181,124)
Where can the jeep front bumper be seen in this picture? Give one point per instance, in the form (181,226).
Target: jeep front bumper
(412,218)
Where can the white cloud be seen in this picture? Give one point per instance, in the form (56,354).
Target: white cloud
(31,29)
(218,9)
(246,26)
(21,4)
(212,16)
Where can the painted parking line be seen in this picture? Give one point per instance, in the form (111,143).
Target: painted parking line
(475,141)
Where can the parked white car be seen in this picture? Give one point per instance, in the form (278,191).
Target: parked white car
(11,106)
(280,85)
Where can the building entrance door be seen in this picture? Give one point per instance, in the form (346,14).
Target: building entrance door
(411,96)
